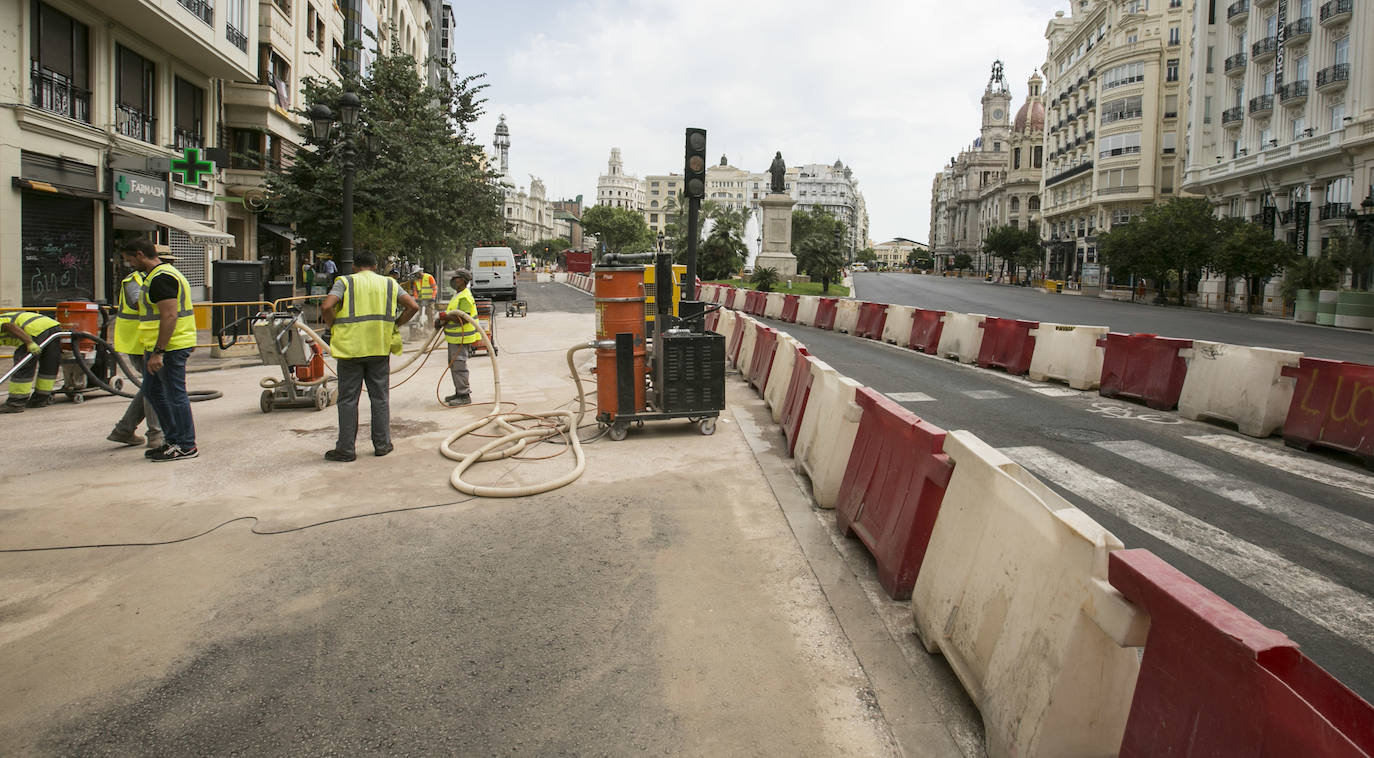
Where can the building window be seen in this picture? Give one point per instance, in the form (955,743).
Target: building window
(135,96)
(997,147)
(1166,180)
(1337,117)
(1127,73)
(1016,205)
(1340,50)
(1207,109)
(1119,144)
(255,150)
(1039,156)
(190,115)
(1016,157)
(1171,70)
(1118,110)
(1173,36)
(1210,69)
(1300,127)
(235,21)
(275,72)
(59,68)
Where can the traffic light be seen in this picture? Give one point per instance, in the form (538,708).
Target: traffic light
(695,171)
(838,235)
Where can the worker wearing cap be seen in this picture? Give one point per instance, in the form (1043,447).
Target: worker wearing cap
(364,311)
(460,335)
(26,331)
(129,312)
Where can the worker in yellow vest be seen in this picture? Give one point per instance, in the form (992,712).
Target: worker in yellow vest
(364,311)
(460,336)
(128,313)
(167,335)
(26,331)
(421,286)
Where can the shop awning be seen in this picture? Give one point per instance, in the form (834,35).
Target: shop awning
(34,185)
(200,234)
(283,232)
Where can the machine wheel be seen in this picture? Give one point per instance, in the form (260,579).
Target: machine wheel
(265,401)
(321,399)
(707,426)
(618,430)
(77,397)
(117,383)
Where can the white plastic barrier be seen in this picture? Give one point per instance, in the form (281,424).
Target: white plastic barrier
(772,307)
(1013,591)
(1068,353)
(737,297)
(961,336)
(746,345)
(725,326)
(847,315)
(780,375)
(806,309)
(1238,384)
(827,432)
(897,328)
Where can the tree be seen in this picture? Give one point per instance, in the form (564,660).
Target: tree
(813,242)
(1307,273)
(722,252)
(1249,251)
(1355,253)
(920,259)
(765,279)
(963,261)
(1180,236)
(1019,247)
(620,229)
(867,255)
(422,193)
(547,250)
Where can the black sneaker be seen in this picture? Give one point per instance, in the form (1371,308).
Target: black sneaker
(177,453)
(340,457)
(155,452)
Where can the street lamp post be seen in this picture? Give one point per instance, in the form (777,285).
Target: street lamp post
(660,242)
(1363,223)
(322,121)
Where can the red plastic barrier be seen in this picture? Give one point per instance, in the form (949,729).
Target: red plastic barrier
(925,330)
(892,489)
(1143,366)
(736,339)
(872,319)
(798,392)
(825,313)
(1333,406)
(760,302)
(1215,682)
(711,320)
(765,344)
(1007,344)
(790,304)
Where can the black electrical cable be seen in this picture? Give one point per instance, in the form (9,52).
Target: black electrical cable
(254,530)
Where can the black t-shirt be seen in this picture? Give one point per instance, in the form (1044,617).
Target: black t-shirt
(162,287)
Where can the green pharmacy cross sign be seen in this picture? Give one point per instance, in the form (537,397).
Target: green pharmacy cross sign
(191,167)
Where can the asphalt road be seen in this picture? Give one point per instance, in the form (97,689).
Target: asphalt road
(978,296)
(1294,553)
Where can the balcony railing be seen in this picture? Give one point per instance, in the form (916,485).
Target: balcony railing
(1235,63)
(1293,93)
(1238,11)
(1261,105)
(1333,76)
(1336,11)
(54,92)
(135,123)
(203,9)
(1069,173)
(184,138)
(236,37)
(1332,211)
(1264,49)
(1232,115)
(1297,31)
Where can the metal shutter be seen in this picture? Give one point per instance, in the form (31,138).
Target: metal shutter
(191,257)
(58,240)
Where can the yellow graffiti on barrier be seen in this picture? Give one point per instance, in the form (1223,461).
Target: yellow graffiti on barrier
(1358,390)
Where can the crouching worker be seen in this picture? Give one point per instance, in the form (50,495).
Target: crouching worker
(460,336)
(26,331)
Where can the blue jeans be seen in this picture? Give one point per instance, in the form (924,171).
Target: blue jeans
(166,390)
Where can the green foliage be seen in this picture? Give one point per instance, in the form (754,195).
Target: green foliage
(765,279)
(963,261)
(1178,238)
(813,242)
(1020,248)
(621,229)
(422,193)
(547,250)
(1355,253)
(723,251)
(867,255)
(920,259)
(1304,273)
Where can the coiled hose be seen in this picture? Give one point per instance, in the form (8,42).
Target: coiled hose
(118,360)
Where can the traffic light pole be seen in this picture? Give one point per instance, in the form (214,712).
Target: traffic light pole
(693,211)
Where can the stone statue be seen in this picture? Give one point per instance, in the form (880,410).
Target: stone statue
(777,169)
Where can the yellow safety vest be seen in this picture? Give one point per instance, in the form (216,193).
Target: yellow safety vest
(427,286)
(461,332)
(184,335)
(127,316)
(366,316)
(32,323)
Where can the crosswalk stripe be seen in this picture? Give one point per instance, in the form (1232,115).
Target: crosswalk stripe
(1323,522)
(1340,609)
(1305,467)
(910,397)
(985,394)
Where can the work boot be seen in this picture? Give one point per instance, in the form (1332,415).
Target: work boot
(338,456)
(455,401)
(126,438)
(40,399)
(383,450)
(12,406)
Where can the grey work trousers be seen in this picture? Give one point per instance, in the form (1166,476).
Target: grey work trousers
(353,373)
(140,408)
(458,367)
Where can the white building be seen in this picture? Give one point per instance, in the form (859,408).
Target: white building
(617,189)
(661,191)
(832,188)
(727,186)
(895,253)
(529,216)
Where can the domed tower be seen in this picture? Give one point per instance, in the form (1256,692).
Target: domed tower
(1032,113)
(502,145)
(996,112)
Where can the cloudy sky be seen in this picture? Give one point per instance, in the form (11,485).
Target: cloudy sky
(890,87)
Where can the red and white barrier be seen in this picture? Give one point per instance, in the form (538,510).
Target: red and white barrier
(1145,367)
(1243,385)
(847,315)
(772,307)
(827,431)
(1007,344)
(897,327)
(760,364)
(806,309)
(961,336)
(780,375)
(1068,353)
(744,355)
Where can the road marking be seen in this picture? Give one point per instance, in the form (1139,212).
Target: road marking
(1017,379)
(1323,522)
(985,394)
(1112,410)
(1306,467)
(910,397)
(1344,611)
(1057,391)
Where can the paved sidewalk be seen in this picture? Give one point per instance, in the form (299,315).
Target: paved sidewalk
(681,597)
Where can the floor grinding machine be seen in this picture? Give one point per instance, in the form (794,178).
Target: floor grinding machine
(674,371)
(282,342)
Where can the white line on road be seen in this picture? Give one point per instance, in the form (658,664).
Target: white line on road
(1300,466)
(1344,611)
(910,397)
(1333,525)
(1057,391)
(985,394)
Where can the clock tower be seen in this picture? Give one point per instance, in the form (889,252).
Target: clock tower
(996,130)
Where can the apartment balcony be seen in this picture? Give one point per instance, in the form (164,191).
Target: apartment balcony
(1263,3)
(55,93)
(186,29)
(205,11)
(1232,116)
(1237,12)
(236,36)
(1235,64)
(1293,94)
(1333,78)
(184,138)
(1336,12)
(135,124)
(1264,49)
(1333,211)
(1297,32)
(1070,173)
(1262,105)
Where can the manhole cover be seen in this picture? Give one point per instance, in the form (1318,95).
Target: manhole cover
(1069,434)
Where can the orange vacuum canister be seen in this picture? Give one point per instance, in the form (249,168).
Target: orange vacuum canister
(619,293)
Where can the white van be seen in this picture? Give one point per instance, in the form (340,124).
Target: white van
(493,272)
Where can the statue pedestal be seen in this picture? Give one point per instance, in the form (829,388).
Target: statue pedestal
(776,227)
